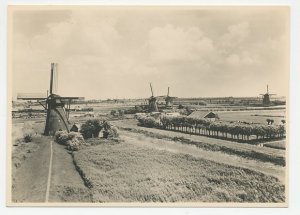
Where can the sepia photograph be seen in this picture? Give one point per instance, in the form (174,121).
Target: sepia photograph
(148,105)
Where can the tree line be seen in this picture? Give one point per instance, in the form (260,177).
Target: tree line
(219,129)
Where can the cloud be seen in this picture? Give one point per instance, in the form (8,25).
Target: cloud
(105,53)
(233,60)
(242,59)
(73,38)
(170,44)
(235,37)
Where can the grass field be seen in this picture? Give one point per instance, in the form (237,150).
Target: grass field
(275,156)
(255,116)
(276,145)
(135,172)
(130,173)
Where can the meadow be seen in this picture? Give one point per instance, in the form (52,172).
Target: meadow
(255,116)
(145,166)
(124,172)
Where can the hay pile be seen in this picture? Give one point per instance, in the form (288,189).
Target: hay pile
(73,140)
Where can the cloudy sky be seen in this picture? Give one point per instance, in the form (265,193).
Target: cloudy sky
(115,52)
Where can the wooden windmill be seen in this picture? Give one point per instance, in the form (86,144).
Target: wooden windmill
(152,102)
(169,99)
(57,107)
(266,97)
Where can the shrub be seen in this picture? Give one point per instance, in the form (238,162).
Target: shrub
(28,132)
(91,128)
(138,109)
(121,112)
(109,131)
(130,111)
(73,140)
(76,135)
(61,137)
(27,137)
(75,143)
(148,121)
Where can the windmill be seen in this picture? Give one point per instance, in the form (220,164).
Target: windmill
(57,107)
(152,102)
(169,99)
(266,97)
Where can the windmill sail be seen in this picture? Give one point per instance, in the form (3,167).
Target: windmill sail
(31,96)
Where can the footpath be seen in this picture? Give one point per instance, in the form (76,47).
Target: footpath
(48,175)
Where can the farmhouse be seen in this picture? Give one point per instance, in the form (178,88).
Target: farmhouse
(212,116)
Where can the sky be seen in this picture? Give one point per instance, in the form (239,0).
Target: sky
(115,52)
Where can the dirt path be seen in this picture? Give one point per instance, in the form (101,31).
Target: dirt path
(216,156)
(31,180)
(66,183)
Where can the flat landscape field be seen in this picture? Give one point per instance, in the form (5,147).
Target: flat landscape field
(128,172)
(255,116)
(151,165)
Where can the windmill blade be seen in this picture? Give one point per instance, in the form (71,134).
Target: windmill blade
(71,97)
(31,96)
(168,91)
(151,89)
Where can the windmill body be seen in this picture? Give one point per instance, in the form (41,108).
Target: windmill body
(169,99)
(266,97)
(56,116)
(169,102)
(58,109)
(152,102)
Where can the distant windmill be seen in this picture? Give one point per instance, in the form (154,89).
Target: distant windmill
(152,101)
(169,100)
(266,97)
(57,114)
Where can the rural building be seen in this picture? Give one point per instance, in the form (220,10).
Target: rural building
(212,116)
(156,115)
(75,127)
(172,114)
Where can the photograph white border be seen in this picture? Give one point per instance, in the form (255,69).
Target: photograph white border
(294,178)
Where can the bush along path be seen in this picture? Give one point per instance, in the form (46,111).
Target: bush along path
(236,131)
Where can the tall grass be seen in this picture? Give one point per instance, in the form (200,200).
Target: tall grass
(139,174)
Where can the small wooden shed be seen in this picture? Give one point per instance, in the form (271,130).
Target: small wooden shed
(75,128)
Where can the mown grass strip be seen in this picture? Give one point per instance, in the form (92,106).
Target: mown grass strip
(278,160)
